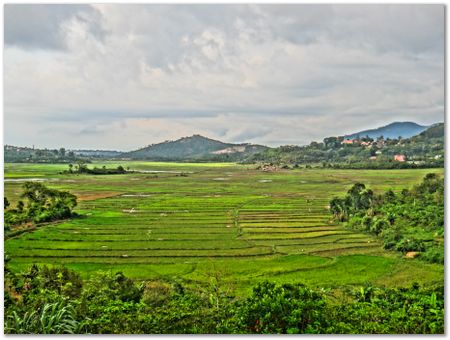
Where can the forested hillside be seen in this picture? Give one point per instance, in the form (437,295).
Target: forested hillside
(423,150)
(194,148)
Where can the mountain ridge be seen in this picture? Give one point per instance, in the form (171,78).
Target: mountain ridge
(392,130)
(198,148)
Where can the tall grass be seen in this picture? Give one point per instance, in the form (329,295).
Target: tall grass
(52,318)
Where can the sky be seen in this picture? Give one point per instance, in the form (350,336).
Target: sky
(112,76)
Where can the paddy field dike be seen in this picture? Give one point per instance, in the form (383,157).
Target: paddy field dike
(189,222)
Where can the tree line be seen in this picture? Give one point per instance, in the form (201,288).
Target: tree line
(82,168)
(38,204)
(409,221)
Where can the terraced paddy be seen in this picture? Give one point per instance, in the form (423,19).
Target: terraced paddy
(193,221)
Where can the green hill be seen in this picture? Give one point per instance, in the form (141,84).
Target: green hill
(435,131)
(195,148)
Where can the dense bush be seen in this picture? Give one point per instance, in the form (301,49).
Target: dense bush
(55,300)
(412,220)
(281,309)
(43,205)
(389,311)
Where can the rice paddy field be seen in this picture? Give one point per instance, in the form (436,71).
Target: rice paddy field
(190,222)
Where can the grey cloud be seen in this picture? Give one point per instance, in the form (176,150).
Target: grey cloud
(278,74)
(251,133)
(88,130)
(40,26)
(392,28)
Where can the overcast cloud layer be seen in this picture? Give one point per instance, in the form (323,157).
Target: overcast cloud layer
(124,76)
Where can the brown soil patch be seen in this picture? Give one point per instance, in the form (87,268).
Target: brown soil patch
(412,254)
(91,196)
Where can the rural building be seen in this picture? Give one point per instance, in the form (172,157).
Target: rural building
(400,158)
(348,141)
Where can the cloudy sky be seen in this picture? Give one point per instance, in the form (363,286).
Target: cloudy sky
(125,76)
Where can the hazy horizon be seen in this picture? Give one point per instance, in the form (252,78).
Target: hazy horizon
(177,138)
(120,77)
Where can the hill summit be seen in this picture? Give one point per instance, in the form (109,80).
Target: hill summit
(195,147)
(393,130)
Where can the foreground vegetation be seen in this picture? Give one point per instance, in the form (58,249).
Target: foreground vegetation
(56,301)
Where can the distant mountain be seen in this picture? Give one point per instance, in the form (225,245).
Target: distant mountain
(195,147)
(393,130)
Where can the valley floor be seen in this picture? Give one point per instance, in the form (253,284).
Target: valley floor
(192,222)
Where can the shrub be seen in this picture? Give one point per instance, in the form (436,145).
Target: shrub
(283,308)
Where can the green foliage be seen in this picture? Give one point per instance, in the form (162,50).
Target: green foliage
(357,198)
(114,304)
(42,300)
(281,309)
(410,221)
(390,311)
(52,318)
(14,154)
(43,205)
(81,168)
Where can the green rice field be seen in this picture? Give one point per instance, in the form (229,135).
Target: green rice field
(190,222)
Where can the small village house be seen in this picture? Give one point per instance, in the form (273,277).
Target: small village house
(400,158)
